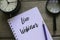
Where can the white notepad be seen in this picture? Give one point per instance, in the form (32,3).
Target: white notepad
(28,26)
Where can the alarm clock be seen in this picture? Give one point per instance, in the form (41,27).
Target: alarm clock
(10,7)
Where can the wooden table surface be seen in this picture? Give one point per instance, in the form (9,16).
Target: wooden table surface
(5,32)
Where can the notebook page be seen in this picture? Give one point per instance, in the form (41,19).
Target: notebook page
(28,26)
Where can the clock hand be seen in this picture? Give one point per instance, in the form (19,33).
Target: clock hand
(12,2)
(7,1)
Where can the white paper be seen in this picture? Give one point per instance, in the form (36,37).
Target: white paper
(32,21)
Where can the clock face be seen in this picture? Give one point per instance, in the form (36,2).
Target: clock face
(8,5)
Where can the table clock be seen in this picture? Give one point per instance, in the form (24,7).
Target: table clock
(10,7)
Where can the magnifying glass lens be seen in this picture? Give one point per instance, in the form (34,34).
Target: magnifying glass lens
(53,7)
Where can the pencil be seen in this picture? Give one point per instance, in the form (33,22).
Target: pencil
(45,34)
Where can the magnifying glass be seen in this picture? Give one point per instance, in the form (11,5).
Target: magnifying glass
(53,8)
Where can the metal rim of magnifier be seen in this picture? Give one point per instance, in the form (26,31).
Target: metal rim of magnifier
(49,11)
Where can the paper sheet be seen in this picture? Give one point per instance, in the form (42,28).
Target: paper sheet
(28,26)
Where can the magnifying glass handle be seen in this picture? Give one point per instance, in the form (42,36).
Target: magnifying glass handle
(54,24)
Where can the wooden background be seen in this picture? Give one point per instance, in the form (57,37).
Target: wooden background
(5,32)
